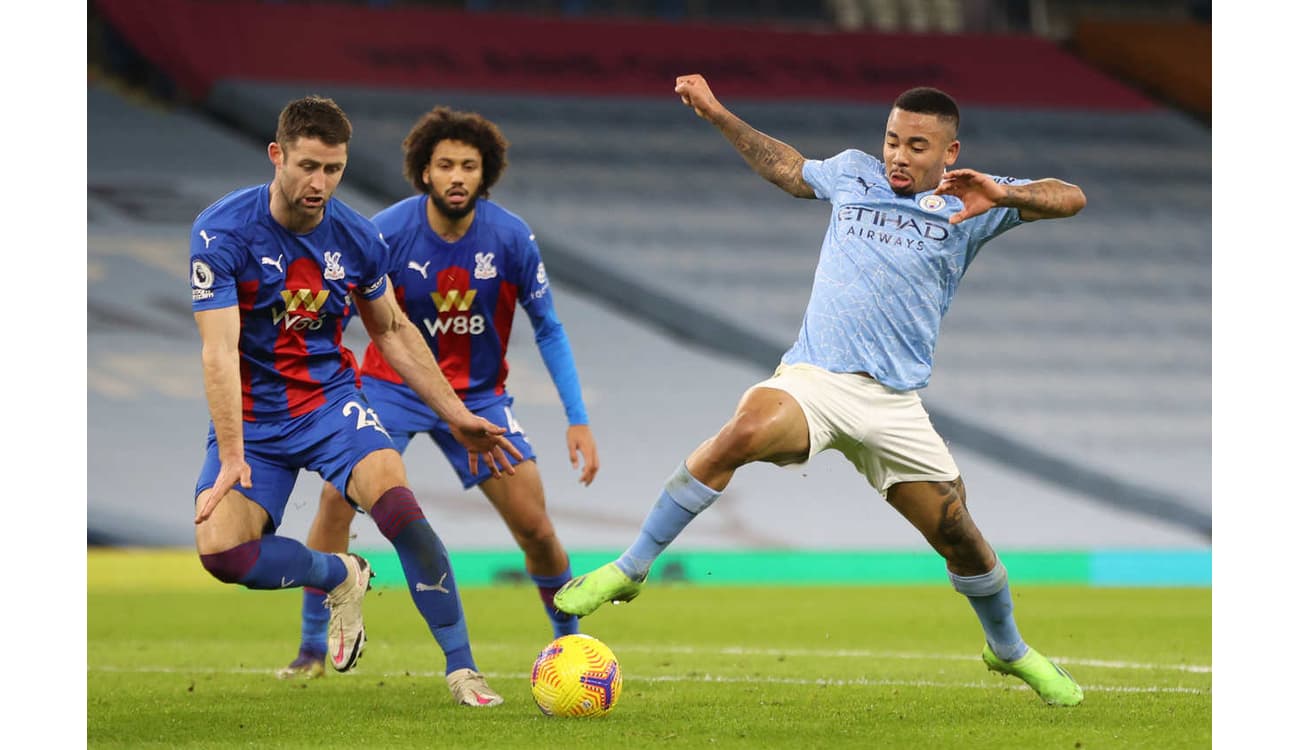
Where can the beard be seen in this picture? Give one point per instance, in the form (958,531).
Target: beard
(449,211)
(298,217)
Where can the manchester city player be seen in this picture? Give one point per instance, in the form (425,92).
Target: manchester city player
(903,230)
(461,264)
(276,272)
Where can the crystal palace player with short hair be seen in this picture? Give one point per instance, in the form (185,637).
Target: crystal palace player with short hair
(903,231)
(276,272)
(460,265)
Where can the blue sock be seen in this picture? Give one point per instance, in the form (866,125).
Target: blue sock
(683,498)
(990,596)
(428,573)
(562,623)
(276,562)
(315,620)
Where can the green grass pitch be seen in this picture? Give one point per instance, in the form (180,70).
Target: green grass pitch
(175,659)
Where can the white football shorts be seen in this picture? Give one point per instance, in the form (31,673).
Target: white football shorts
(885,433)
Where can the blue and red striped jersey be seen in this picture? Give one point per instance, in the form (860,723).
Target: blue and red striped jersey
(294,293)
(462,294)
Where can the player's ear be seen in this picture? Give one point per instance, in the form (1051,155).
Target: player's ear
(275,154)
(950,155)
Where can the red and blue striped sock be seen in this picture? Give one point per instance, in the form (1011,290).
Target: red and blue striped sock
(276,562)
(562,623)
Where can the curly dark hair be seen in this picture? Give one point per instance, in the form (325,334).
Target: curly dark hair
(444,123)
(313,117)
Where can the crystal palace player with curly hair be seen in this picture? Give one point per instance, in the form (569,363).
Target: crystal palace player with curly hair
(276,273)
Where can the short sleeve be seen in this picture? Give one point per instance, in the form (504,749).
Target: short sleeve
(822,176)
(993,222)
(216,257)
(534,286)
(374,279)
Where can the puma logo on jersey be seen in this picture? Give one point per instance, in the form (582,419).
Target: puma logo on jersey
(206,239)
(268,262)
(423,269)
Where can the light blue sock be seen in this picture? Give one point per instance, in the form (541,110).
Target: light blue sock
(990,596)
(683,498)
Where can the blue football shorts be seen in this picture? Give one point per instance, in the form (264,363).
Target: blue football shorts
(406,416)
(330,441)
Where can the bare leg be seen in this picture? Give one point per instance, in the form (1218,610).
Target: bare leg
(768,425)
(331,528)
(938,511)
(233,522)
(521,502)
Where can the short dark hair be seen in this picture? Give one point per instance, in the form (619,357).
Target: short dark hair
(313,117)
(924,100)
(443,124)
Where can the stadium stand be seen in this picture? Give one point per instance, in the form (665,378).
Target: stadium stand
(1072,377)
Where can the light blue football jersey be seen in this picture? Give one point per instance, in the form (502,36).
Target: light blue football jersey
(888,270)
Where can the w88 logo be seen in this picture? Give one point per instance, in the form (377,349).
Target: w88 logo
(459,324)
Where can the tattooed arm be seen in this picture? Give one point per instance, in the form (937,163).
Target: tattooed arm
(1045,199)
(774,161)
(1042,199)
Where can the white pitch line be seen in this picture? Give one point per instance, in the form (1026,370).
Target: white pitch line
(824,682)
(909,683)
(868,654)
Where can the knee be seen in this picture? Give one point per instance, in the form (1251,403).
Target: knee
(739,442)
(534,533)
(234,564)
(335,515)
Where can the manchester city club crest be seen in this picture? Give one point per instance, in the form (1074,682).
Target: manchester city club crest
(933,203)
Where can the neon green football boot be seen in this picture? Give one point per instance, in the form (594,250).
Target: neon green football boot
(1054,685)
(584,594)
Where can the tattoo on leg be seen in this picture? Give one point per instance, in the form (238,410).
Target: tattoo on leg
(965,546)
(953,517)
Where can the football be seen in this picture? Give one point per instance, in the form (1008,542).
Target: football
(576,675)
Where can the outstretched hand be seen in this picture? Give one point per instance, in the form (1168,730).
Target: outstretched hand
(582,442)
(231,472)
(976,191)
(488,441)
